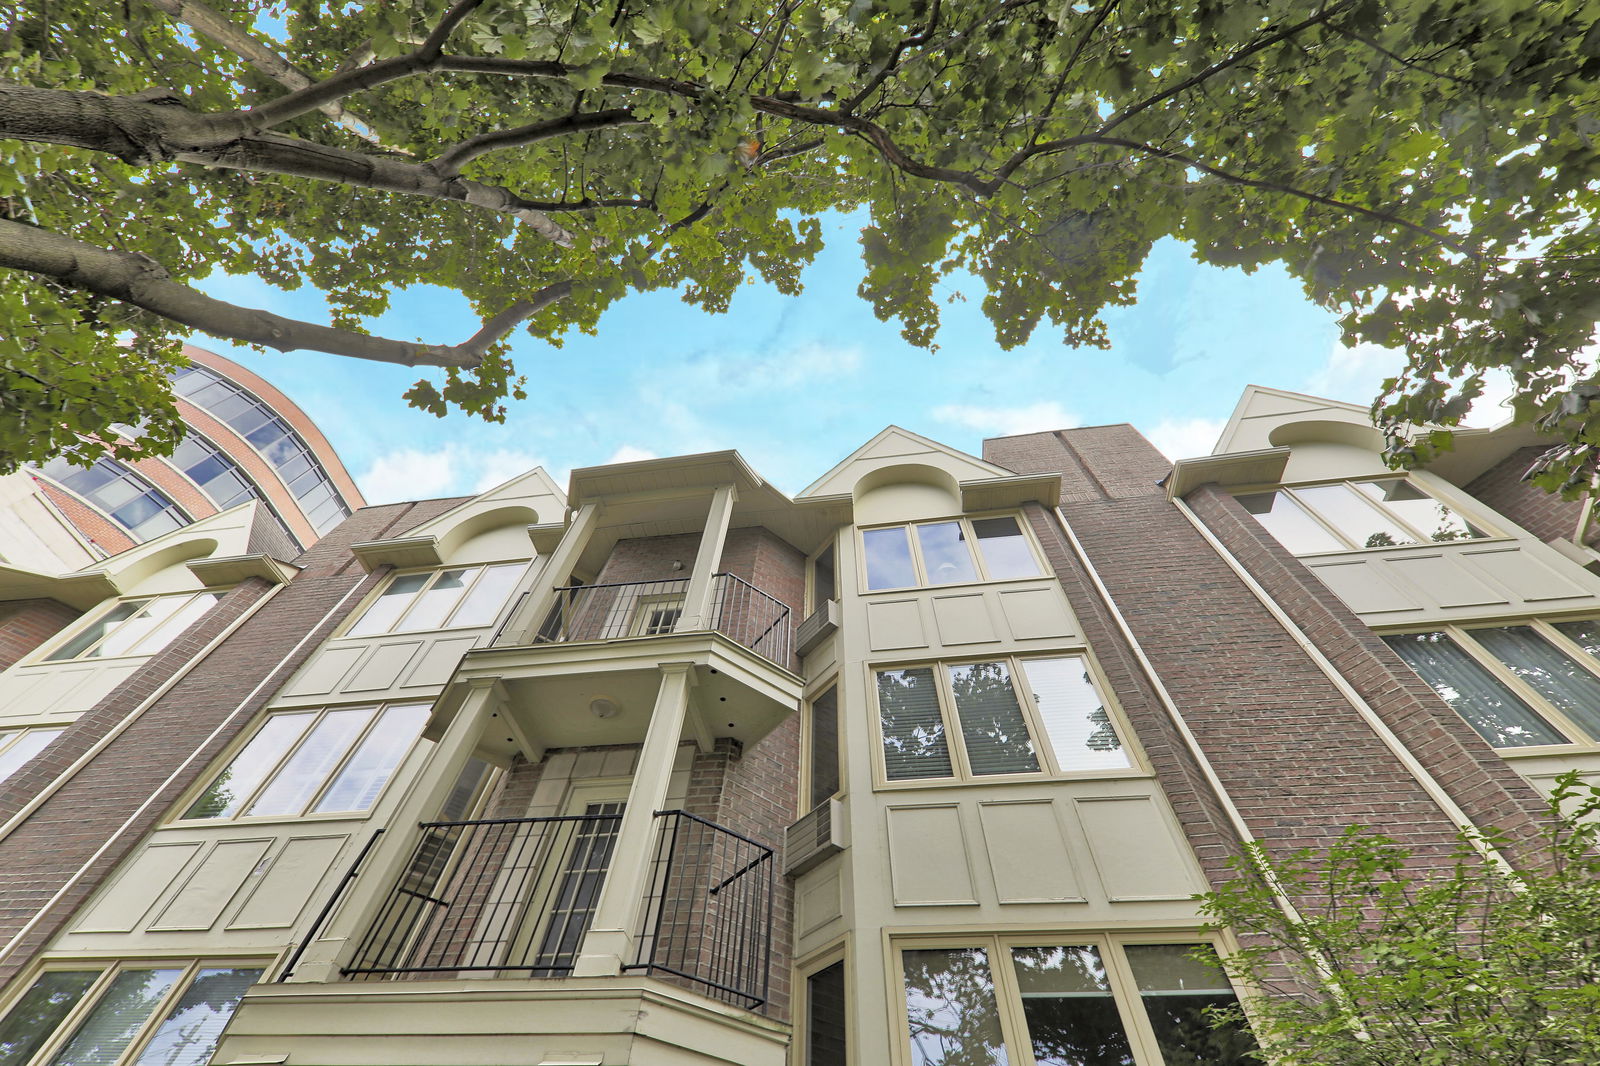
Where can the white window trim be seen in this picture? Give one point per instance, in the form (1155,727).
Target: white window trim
(41,655)
(109,969)
(980,568)
(1469,516)
(835,682)
(1008,1001)
(1461,634)
(377,594)
(1044,751)
(309,813)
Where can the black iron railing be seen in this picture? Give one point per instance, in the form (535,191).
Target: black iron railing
(497,895)
(707,920)
(515,896)
(739,610)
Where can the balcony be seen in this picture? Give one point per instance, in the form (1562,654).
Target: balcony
(738,610)
(514,897)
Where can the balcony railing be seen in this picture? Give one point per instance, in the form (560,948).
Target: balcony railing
(739,610)
(515,896)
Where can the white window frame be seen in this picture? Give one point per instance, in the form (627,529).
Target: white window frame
(1044,751)
(42,655)
(308,812)
(109,969)
(10,737)
(980,568)
(1423,540)
(1008,1001)
(1461,634)
(398,625)
(808,740)
(812,602)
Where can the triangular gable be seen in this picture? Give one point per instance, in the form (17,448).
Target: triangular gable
(1261,410)
(896,447)
(226,533)
(528,499)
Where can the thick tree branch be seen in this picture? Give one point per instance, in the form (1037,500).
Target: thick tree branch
(140,281)
(889,65)
(450,162)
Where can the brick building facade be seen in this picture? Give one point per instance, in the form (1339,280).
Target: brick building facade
(921,765)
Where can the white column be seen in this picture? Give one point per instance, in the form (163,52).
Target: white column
(608,946)
(389,857)
(524,624)
(697,614)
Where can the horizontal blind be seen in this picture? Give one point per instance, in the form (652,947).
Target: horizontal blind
(992,724)
(913,730)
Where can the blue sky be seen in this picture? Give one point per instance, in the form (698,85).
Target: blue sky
(796,383)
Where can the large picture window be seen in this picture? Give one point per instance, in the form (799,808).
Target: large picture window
(333,761)
(949,552)
(134,1014)
(459,598)
(978,720)
(1356,514)
(1070,1001)
(134,627)
(1521,685)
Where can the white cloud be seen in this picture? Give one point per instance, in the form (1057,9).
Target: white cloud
(453,470)
(1008,421)
(1185,438)
(629,453)
(1355,374)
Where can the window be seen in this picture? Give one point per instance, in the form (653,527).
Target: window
(314,762)
(134,1014)
(826,1008)
(1069,1002)
(220,478)
(1356,514)
(941,553)
(822,731)
(440,599)
(135,627)
(131,501)
(656,615)
(17,746)
(824,586)
(986,719)
(271,436)
(1517,685)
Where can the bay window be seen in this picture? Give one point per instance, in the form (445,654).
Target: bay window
(1389,513)
(457,598)
(948,552)
(1072,1000)
(134,627)
(1523,685)
(976,720)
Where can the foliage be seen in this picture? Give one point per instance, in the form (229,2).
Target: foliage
(1425,166)
(1465,963)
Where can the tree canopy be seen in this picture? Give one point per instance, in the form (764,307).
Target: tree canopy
(1426,167)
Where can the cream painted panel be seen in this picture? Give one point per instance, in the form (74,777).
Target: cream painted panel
(62,689)
(1446,581)
(905,503)
(817,902)
(125,900)
(435,665)
(895,624)
(1035,613)
(219,877)
(1523,575)
(928,857)
(1027,849)
(382,667)
(1135,852)
(278,897)
(324,672)
(16,693)
(963,619)
(1363,587)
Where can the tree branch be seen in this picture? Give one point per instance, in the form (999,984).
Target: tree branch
(450,162)
(144,283)
(889,65)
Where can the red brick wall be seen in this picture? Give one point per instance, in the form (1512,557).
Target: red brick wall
(1544,514)
(103,804)
(26,624)
(1294,756)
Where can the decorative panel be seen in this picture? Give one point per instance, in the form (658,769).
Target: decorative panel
(143,880)
(963,619)
(895,624)
(1364,588)
(1524,575)
(324,672)
(1135,852)
(1446,581)
(220,874)
(817,904)
(383,666)
(1034,613)
(282,893)
(1028,830)
(928,856)
(435,665)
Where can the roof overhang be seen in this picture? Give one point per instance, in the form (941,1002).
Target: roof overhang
(232,569)
(1264,466)
(82,589)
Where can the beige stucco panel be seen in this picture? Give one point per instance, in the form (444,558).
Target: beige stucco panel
(929,856)
(1136,852)
(1027,851)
